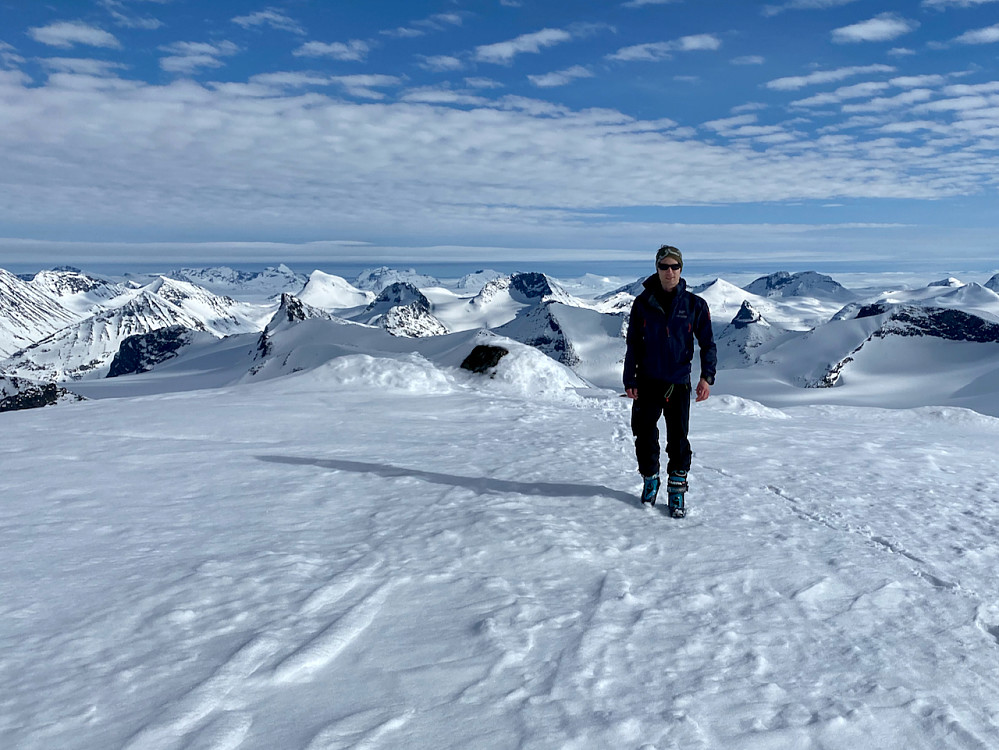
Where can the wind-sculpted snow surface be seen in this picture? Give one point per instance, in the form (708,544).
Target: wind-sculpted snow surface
(388,552)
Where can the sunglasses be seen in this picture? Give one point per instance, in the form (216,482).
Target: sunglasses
(669,266)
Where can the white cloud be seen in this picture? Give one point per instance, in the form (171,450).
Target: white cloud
(988,35)
(792,83)
(643,3)
(442,95)
(356,50)
(66,34)
(561,77)
(955,3)
(972,89)
(9,58)
(857,91)
(250,159)
(656,51)
(437,22)
(117,10)
(441,63)
(773,10)
(272,18)
(292,79)
(729,123)
(881,104)
(82,66)
(483,83)
(503,52)
(749,60)
(190,57)
(878,29)
(365,86)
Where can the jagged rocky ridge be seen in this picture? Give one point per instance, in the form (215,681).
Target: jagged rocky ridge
(530,308)
(908,321)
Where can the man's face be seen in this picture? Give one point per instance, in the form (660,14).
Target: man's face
(669,272)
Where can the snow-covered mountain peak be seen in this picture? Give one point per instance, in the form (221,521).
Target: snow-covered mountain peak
(403,310)
(950,281)
(803,284)
(401,293)
(938,322)
(376,279)
(534,288)
(740,341)
(330,292)
(473,283)
(294,310)
(748,315)
(27,314)
(491,290)
(269,283)
(72,282)
(993,283)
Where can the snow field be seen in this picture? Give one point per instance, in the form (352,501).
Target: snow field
(380,553)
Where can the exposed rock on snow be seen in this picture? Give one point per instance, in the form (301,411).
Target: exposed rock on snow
(804,284)
(950,281)
(142,352)
(76,290)
(220,314)
(88,346)
(403,310)
(534,288)
(913,321)
(484,358)
(292,311)
(949,324)
(747,332)
(539,327)
(18,393)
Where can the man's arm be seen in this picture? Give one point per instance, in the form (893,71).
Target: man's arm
(632,352)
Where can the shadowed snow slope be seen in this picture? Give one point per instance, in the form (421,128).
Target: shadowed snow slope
(382,552)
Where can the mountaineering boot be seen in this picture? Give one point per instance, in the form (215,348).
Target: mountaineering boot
(650,489)
(676,486)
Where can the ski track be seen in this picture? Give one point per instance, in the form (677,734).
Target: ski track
(453,598)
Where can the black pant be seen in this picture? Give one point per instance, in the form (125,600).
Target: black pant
(657,399)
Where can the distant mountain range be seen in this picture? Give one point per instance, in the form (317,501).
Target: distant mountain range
(68,328)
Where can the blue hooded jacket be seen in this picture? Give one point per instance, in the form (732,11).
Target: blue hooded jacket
(662,349)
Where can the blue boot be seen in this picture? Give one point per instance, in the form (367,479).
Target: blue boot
(650,490)
(676,486)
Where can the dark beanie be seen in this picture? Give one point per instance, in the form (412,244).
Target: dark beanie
(668,251)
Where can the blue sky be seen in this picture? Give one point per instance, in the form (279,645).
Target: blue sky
(795,132)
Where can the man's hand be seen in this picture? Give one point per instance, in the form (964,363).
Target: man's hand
(703,390)
(631,392)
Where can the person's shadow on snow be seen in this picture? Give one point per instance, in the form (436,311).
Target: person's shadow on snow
(476,484)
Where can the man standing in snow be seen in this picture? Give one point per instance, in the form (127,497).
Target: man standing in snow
(665,319)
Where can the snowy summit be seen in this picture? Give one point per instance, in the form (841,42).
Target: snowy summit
(324,532)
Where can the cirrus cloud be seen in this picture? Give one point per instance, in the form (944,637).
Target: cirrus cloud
(66,34)
(878,29)
(355,50)
(502,53)
(656,51)
(988,35)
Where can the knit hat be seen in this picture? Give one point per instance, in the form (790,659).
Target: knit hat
(668,251)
